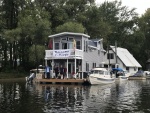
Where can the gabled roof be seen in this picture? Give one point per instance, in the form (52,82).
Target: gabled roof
(68,33)
(126,57)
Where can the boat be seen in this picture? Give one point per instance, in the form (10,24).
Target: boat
(101,76)
(120,74)
(35,73)
(139,75)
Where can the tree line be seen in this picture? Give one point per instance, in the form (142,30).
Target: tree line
(26,24)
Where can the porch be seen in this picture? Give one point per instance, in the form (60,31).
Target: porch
(71,59)
(64,53)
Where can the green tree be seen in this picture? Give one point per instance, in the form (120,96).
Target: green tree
(70,27)
(144,29)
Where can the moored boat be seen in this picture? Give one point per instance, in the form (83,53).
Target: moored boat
(120,74)
(101,76)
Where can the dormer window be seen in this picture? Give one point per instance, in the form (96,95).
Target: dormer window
(63,39)
(71,39)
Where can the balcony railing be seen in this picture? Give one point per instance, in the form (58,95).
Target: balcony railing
(64,54)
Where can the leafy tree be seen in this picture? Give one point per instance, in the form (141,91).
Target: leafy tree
(144,29)
(70,27)
(110,21)
(32,58)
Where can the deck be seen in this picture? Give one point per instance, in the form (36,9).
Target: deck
(61,81)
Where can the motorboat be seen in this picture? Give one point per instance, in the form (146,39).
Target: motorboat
(35,73)
(120,74)
(101,76)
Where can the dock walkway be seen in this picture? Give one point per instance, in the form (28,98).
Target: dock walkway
(60,81)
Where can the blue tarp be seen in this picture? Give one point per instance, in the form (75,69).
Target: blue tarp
(117,69)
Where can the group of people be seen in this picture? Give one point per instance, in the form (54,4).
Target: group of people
(60,72)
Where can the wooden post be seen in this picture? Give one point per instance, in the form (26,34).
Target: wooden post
(67,69)
(75,67)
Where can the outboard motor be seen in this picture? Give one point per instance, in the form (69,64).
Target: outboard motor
(30,78)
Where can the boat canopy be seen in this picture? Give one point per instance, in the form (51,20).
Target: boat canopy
(117,69)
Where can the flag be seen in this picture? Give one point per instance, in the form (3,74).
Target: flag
(50,44)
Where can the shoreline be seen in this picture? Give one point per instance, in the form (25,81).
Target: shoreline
(12,79)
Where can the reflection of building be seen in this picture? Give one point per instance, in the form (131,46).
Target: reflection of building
(69,94)
(75,51)
(124,59)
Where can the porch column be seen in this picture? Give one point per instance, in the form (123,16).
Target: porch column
(52,64)
(45,61)
(67,68)
(82,68)
(45,66)
(75,66)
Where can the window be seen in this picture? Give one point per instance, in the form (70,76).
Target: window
(56,45)
(63,39)
(113,66)
(70,45)
(135,68)
(78,45)
(64,45)
(84,46)
(127,68)
(101,72)
(94,65)
(87,67)
(71,39)
(95,44)
(110,56)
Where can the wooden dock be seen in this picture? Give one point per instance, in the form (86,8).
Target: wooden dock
(136,78)
(60,81)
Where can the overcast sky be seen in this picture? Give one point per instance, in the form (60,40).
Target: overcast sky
(140,5)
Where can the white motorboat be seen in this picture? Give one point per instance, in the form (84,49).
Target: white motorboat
(101,76)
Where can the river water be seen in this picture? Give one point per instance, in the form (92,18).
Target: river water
(132,96)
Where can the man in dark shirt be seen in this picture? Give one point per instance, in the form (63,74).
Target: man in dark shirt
(56,71)
(61,72)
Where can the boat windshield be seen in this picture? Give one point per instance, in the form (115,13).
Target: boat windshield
(97,72)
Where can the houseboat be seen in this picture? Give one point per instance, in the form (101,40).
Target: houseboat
(76,52)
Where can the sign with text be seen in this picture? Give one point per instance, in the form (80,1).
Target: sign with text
(61,53)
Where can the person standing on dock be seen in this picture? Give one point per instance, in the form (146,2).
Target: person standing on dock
(65,72)
(47,71)
(56,70)
(61,72)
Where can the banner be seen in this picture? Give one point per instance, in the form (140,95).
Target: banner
(61,53)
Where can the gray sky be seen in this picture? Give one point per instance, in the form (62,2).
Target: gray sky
(140,5)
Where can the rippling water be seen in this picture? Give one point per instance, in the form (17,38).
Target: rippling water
(120,97)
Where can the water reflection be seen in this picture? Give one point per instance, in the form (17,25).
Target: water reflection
(120,97)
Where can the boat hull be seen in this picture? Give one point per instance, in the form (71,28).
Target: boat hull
(123,78)
(99,80)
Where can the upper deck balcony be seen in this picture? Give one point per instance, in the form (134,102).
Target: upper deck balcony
(64,54)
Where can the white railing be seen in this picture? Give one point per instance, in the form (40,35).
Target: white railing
(64,53)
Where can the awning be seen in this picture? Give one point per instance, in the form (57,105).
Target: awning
(117,69)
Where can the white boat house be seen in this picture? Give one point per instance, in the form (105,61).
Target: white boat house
(122,58)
